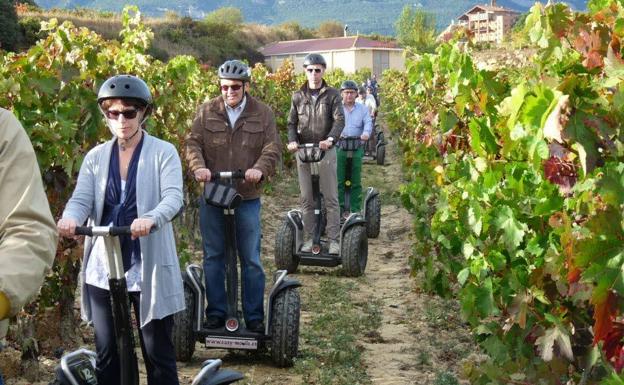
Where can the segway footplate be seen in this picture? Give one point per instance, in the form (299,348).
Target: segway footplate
(231,343)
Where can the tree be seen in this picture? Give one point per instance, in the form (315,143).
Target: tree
(415,28)
(291,30)
(10,32)
(225,15)
(331,28)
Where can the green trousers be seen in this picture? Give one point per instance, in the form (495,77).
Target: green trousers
(356,179)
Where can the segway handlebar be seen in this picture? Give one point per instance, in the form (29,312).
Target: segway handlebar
(227,175)
(103,230)
(308,145)
(350,143)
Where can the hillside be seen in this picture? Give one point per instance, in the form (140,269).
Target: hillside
(365,16)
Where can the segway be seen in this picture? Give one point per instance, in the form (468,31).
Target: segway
(372,206)
(282,311)
(78,367)
(375,148)
(353,240)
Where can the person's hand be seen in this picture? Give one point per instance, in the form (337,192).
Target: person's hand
(202,175)
(66,227)
(253,175)
(141,227)
(325,144)
(364,137)
(292,146)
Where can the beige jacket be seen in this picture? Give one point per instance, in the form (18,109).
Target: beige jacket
(28,233)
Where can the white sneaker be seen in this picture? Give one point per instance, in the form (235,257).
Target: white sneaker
(334,247)
(307,246)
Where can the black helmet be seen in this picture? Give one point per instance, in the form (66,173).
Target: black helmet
(361,90)
(349,85)
(314,58)
(235,70)
(125,87)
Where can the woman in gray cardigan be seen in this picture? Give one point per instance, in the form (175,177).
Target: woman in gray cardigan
(132,180)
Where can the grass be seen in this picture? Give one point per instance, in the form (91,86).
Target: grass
(331,353)
(284,183)
(377,176)
(445,378)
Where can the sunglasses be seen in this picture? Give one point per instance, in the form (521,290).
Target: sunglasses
(234,87)
(317,70)
(128,114)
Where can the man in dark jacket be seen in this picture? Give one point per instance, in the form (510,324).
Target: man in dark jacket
(234,132)
(316,116)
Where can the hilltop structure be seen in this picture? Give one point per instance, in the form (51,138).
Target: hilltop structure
(489,23)
(349,53)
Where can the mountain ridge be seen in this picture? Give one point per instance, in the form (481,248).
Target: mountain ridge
(363,16)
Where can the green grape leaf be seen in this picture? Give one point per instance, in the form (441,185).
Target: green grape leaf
(545,344)
(463,275)
(482,139)
(475,220)
(586,140)
(611,185)
(513,230)
(495,348)
(484,299)
(448,120)
(614,68)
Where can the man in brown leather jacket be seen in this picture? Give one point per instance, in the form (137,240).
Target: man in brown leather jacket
(234,132)
(317,116)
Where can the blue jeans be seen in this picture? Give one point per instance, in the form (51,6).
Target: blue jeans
(211,222)
(1,381)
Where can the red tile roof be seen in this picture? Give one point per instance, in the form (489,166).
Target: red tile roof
(323,45)
(491,8)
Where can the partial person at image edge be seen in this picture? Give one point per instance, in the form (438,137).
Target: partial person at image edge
(28,236)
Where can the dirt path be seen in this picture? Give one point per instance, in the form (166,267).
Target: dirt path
(418,340)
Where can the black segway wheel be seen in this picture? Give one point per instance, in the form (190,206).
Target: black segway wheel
(183,338)
(285,327)
(285,247)
(354,251)
(381,155)
(373,217)
(381,138)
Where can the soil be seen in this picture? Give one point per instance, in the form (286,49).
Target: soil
(421,339)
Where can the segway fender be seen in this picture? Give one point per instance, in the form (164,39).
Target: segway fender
(192,278)
(282,282)
(225,376)
(212,374)
(371,192)
(285,284)
(355,219)
(295,218)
